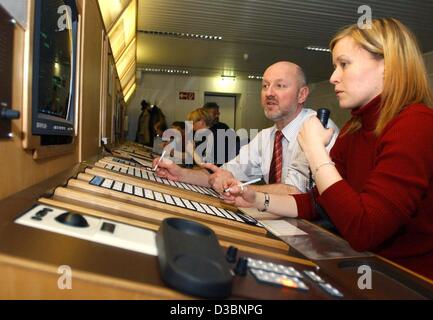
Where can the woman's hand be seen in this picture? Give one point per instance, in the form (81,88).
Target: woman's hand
(238,196)
(313,136)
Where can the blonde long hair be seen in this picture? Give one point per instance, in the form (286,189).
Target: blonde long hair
(405,79)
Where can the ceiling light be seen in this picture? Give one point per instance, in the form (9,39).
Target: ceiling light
(120,21)
(317,48)
(255,77)
(166,70)
(129,74)
(130,84)
(126,59)
(130,92)
(228,77)
(111,10)
(181,35)
(123,31)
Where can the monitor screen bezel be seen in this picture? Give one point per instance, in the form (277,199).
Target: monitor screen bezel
(42,123)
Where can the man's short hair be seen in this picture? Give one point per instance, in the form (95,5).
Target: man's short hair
(301,77)
(211,105)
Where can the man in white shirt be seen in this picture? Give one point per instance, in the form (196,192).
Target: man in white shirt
(284,92)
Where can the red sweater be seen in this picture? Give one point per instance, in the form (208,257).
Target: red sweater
(384,203)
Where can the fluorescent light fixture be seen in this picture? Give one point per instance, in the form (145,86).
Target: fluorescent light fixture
(255,77)
(128,57)
(317,48)
(166,70)
(111,10)
(228,77)
(128,95)
(120,21)
(128,86)
(123,31)
(129,74)
(182,35)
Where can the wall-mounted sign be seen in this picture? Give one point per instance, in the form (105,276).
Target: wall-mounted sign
(186,95)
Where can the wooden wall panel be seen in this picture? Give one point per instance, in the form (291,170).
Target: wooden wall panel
(90,80)
(18,170)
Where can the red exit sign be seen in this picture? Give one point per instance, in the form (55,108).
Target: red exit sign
(186,95)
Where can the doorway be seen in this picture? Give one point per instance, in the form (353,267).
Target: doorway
(227,104)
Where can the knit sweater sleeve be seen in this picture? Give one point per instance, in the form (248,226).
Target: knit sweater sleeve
(305,201)
(394,188)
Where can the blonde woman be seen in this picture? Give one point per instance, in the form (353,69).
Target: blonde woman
(203,144)
(377,183)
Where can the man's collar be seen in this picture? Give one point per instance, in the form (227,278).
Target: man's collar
(290,127)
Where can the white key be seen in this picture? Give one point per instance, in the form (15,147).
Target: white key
(234,215)
(201,190)
(178,201)
(137,173)
(186,186)
(194,188)
(198,206)
(165,181)
(208,210)
(188,204)
(158,179)
(148,194)
(219,214)
(128,188)
(226,214)
(107,183)
(169,199)
(131,171)
(117,186)
(144,174)
(138,191)
(158,196)
(179,185)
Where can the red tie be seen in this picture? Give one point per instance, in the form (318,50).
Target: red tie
(277,159)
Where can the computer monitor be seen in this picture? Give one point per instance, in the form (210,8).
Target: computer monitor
(54,71)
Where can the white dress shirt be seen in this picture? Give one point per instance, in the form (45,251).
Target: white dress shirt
(254,159)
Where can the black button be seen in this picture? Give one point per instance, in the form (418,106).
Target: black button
(43,212)
(108,227)
(231,254)
(241,267)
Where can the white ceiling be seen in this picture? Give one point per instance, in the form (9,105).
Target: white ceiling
(265,30)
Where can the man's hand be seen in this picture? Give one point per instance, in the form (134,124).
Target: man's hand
(238,196)
(218,177)
(168,169)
